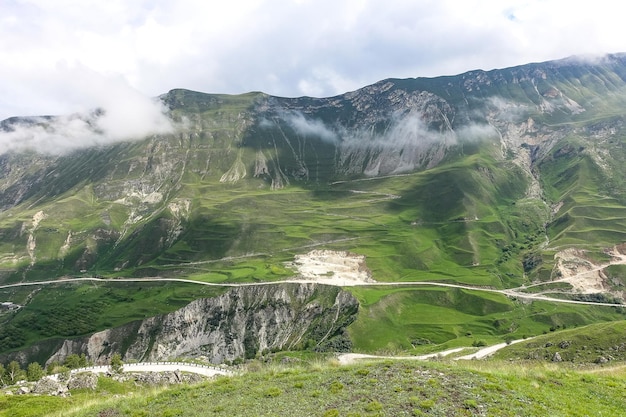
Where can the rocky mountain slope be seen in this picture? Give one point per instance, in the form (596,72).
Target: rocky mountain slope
(236,325)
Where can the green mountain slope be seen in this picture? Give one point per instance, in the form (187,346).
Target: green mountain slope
(491,179)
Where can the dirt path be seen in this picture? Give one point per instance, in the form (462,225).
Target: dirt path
(157,367)
(489,350)
(348,358)
(335,281)
(585,276)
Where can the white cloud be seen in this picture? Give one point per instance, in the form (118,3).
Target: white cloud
(309,127)
(123,113)
(282,47)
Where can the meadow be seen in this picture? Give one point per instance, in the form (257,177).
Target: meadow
(322,388)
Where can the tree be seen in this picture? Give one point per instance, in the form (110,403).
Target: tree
(3,376)
(14,372)
(34,372)
(52,367)
(117,366)
(83,362)
(72,361)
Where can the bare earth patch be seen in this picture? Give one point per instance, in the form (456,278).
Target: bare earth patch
(332,267)
(585,276)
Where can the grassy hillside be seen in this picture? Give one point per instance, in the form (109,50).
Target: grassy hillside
(390,388)
(430,319)
(479,179)
(62,311)
(598,343)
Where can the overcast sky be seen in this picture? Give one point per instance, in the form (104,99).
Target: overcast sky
(63,56)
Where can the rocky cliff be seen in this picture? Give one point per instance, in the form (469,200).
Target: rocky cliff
(237,324)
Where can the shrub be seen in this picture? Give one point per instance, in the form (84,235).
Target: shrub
(470,403)
(335,387)
(273,392)
(374,406)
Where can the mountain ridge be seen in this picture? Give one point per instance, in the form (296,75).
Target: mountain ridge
(487,178)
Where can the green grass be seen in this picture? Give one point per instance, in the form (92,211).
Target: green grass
(427,319)
(580,345)
(391,388)
(71,310)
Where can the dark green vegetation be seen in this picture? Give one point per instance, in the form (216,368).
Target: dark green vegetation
(61,311)
(479,179)
(367,389)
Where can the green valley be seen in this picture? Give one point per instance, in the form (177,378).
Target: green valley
(507,179)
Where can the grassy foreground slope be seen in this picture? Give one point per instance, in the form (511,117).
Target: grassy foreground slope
(391,388)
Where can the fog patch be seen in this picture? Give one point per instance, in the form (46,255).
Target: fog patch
(303,126)
(107,111)
(310,127)
(408,130)
(476,133)
(506,110)
(62,134)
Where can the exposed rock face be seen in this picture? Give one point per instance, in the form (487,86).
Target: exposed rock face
(238,324)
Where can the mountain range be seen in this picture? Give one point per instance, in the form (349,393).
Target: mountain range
(504,179)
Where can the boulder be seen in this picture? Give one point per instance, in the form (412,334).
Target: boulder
(23,390)
(83,380)
(48,386)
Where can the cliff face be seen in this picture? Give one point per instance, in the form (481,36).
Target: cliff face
(238,324)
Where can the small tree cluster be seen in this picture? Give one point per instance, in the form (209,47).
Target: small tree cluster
(74,361)
(12,373)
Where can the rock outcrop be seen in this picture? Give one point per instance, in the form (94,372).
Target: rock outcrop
(237,324)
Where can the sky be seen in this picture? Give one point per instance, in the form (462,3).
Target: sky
(65,56)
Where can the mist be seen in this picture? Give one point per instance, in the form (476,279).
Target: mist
(106,110)
(404,130)
(307,127)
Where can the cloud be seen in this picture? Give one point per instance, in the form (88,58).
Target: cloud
(403,130)
(309,127)
(105,110)
(283,47)
(476,133)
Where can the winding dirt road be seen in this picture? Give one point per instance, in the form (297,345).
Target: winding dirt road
(514,293)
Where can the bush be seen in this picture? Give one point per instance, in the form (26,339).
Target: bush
(374,406)
(335,387)
(273,392)
(34,372)
(116,363)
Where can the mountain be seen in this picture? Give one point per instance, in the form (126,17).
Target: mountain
(511,178)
